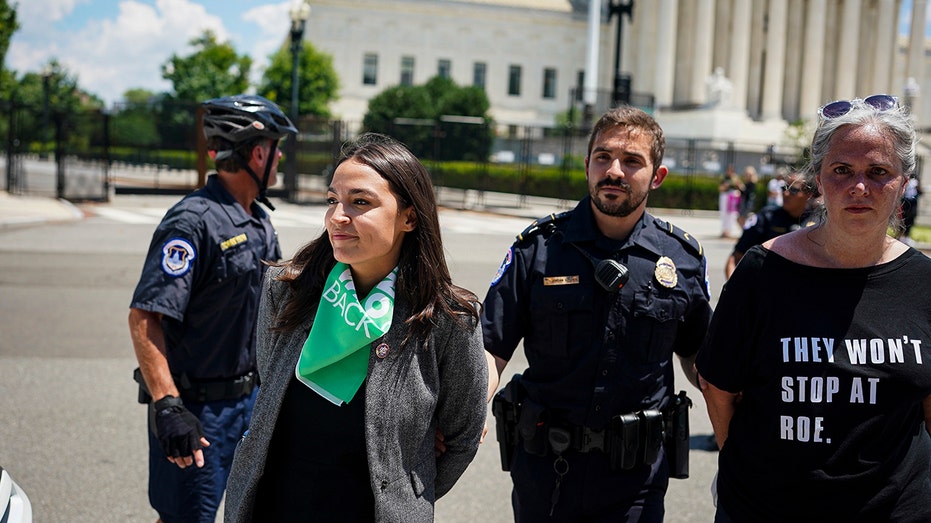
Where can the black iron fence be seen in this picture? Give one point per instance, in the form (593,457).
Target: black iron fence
(155,147)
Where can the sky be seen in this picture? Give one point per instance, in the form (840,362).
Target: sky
(115,45)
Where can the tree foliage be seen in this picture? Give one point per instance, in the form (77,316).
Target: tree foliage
(8,26)
(133,122)
(429,119)
(214,69)
(317,85)
(50,101)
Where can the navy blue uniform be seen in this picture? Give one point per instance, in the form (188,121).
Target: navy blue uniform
(765,225)
(594,355)
(203,273)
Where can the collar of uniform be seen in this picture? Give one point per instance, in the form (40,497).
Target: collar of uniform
(581,225)
(649,233)
(237,214)
(582,228)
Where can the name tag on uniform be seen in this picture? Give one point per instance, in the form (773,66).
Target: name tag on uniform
(560,280)
(232,242)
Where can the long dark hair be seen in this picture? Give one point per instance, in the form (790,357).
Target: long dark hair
(423,277)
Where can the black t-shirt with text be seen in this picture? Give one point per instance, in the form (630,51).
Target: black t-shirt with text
(833,365)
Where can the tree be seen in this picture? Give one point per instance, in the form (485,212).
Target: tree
(54,107)
(214,69)
(438,120)
(8,26)
(134,123)
(317,84)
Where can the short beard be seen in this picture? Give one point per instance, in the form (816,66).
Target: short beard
(619,207)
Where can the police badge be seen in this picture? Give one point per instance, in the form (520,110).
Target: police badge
(665,272)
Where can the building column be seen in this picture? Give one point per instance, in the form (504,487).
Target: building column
(774,69)
(845,86)
(664,80)
(812,60)
(916,53)
(755,71)
(795,31)
(881,77)
(723,29)
(644,28)
(702,47)
(738,67)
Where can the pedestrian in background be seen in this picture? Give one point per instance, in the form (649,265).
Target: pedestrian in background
(729,190)
(815,367)
(193,313)
(367,351)
(774,220)
(910,209)
(599,346)
(747,195)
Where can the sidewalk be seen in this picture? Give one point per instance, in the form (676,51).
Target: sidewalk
(18,211)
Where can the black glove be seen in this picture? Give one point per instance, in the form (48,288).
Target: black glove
(177,429)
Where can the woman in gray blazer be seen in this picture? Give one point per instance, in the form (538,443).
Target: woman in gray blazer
(373,375)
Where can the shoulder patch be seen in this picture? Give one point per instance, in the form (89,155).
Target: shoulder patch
(178,256)
(543,225)
(505,263)
(685,238)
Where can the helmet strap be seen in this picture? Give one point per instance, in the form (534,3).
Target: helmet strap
(262,183)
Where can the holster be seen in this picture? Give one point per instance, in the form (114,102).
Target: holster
(635,439)
(144,397)
(677,436)
(505,406)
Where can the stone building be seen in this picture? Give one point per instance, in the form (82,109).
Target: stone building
(715,69)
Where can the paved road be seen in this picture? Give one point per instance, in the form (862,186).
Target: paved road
(70,430)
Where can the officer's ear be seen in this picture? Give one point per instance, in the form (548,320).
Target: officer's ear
(658,177)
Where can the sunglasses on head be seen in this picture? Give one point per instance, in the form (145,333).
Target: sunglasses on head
(838,108)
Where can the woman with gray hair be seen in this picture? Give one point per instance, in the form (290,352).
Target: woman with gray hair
(813,368)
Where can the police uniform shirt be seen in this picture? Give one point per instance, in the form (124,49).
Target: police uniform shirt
(203,273)
(765,225)
(593,354)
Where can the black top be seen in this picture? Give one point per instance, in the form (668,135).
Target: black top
(833,367)
(203,273)
(316,468)
(765,225)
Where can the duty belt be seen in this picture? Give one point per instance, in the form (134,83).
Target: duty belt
(216,390)
(206,390)
(628,439)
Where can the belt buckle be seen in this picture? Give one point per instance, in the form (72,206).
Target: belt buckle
(591,440)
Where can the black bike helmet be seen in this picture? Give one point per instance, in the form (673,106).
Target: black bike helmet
(244,117)
(241,118)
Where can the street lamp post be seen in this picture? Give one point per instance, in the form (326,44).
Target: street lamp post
(46,93)
(300,12)
(621,92)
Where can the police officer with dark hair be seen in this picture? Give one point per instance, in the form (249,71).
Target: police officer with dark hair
(775,220)
(602,296)
(193,313)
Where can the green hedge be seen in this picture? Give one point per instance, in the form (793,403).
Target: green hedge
(679,191)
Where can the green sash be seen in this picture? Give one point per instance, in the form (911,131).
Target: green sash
(335,357)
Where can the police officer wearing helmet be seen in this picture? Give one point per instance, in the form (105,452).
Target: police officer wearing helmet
(795,212)
(602,296)
(193,313)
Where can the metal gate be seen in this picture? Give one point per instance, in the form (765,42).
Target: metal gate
(54,154)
